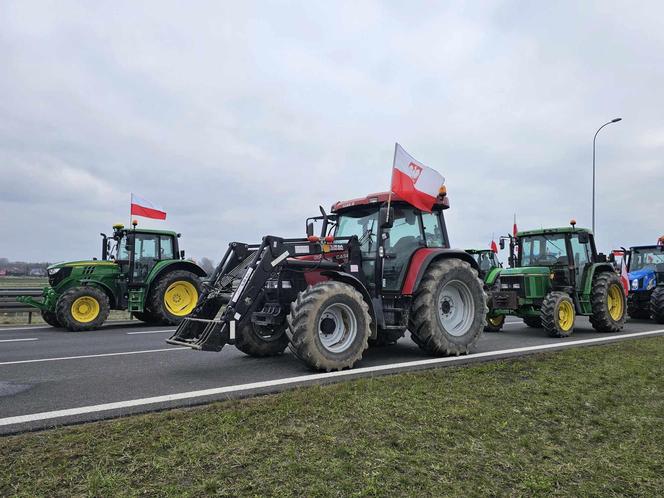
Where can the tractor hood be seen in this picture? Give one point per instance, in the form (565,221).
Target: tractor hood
(527,270)
(641,280)
(84,262)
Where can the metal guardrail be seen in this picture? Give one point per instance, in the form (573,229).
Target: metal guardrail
(9,304)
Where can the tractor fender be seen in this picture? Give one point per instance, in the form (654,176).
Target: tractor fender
(423,257)
(164,267)
(492,276)
(349,279)
(590,275)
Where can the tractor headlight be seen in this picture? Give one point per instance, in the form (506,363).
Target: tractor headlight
(53,271)
(273,284)
(651,284)
(635,284)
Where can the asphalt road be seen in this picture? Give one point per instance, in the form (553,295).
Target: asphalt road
(51,377)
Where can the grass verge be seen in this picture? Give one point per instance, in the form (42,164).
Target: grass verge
(588,421)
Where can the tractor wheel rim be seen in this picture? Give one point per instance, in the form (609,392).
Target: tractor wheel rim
(180,298)
(337,327)
(615,302)
(565,316)
(496,321)
(85,309)
(456,308)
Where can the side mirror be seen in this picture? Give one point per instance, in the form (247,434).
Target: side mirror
(502,244)
(584,238)
(386,217)
(182,254)
(310,229)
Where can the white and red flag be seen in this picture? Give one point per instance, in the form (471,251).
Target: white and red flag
(414,182)
(624,277)
(494,247)
(146,209)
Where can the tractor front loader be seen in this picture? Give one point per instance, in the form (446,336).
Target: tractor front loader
(372,273)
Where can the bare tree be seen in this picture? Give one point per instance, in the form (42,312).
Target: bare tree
(208,265)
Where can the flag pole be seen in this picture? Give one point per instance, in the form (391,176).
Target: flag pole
(130,196)
(389,196)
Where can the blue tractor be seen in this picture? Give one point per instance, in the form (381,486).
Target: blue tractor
(645,265)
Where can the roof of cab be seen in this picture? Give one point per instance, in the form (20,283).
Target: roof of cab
(380,198)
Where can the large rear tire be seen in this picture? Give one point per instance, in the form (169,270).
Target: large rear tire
(657,304)
(328,326)
(558,314)
(449,309)
(174,296)
(82,308)
(51,318)
(260,341)
(608,303)
(636,310)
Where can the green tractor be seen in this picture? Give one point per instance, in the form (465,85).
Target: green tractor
(489,270)
(556,274)
(141,271)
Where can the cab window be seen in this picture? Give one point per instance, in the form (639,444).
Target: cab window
(146,246)
(433,233)
(405,237)
(166,247)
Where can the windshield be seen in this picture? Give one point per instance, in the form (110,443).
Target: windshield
(362,223)
(649,258)
(542,250)
(486,260)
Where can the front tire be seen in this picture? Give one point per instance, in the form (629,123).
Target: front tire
(608,303)
(328,326)
(51,318)
(174,296)
(558,314)
(260,341)
(449,310)
(636,310)
(657,304)
(494,323)
(82,308)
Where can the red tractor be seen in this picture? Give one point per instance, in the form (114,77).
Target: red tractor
(372,273)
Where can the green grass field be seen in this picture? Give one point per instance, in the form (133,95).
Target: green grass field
(585,422)
(22,282)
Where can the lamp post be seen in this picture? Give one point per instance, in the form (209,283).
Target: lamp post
(615,120)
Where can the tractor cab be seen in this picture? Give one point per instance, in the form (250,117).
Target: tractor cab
(558,270)
(645,267)
(486,259)
(137,251)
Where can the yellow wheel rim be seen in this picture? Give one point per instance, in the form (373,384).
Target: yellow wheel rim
(85,309)
(496,321)
(180,298)
(615,302)
(565,316)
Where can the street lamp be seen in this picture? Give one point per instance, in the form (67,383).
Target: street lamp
(615,120)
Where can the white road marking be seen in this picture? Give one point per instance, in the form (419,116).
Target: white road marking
(151,332)
(18,340)
(38,360)
(22,419)
(11,329)
(108,325)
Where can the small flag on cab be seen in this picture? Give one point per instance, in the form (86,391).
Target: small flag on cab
(145,208)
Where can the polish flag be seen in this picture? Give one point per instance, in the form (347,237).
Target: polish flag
(146,209)
(514,229)
(494,247)
(624,277)
(414,182)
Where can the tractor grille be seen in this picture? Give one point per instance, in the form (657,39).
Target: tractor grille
(515,283)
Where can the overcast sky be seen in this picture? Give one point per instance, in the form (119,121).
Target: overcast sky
(240,118)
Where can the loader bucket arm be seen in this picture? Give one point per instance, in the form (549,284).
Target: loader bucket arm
(210,326)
